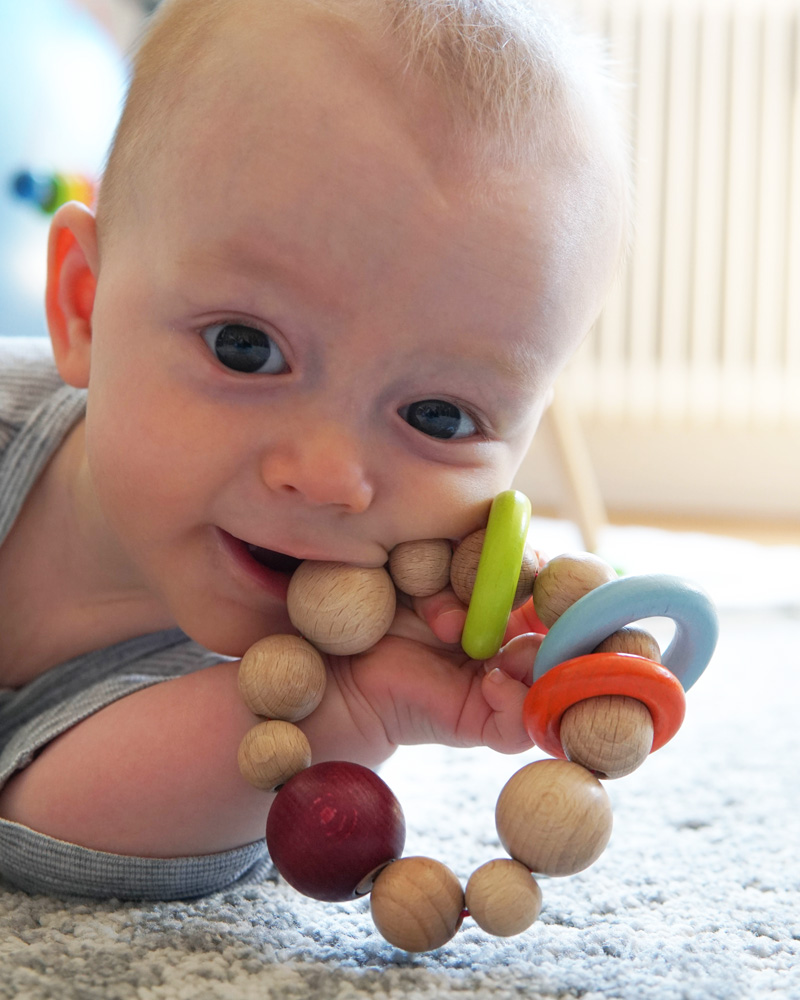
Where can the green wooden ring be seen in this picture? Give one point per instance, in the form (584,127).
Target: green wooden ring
(498,574)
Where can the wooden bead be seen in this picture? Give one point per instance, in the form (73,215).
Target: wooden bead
(342,609)
(421,568)
(631,640)
(272,752)
(282,677)
(527,577)
(464,569)
(417,904)
(564,580)
(503,897)
(554,817)
(332,827)
(610,734)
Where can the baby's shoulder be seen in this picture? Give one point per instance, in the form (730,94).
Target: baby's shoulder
(28,375)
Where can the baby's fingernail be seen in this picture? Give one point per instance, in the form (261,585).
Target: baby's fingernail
(496,675)
(449,626)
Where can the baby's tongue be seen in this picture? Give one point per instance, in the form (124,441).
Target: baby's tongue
(278,561)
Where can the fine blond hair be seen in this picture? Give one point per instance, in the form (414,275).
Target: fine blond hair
(522,87)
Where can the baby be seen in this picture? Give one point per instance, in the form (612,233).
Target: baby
(342,249)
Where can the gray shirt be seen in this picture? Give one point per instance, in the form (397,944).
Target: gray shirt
(37,411)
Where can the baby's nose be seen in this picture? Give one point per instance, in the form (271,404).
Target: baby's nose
(323,466)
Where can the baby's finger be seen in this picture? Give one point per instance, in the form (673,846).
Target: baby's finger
(522,620)
(516,658)
(504,730)
(444,614)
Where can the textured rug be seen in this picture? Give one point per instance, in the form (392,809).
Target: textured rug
(697,896)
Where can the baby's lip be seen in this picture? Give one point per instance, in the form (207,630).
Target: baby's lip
(285,562)
(280,562)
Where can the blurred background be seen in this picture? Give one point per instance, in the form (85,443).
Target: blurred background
(683,408)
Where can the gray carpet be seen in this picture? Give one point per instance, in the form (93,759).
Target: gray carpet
(696,898)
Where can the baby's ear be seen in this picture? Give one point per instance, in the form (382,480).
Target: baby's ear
(72,262)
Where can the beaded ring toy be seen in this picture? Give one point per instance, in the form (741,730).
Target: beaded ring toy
(601,700)
(49,192)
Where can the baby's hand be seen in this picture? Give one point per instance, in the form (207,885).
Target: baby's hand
(415,686)
(444,615)
(426,695)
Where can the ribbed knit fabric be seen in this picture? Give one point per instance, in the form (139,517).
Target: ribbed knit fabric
(36,412)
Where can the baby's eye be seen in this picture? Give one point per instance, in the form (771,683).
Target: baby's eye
(245,348)
(439,419)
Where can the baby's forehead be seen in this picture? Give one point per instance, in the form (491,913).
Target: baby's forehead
(484,83)
(503,67)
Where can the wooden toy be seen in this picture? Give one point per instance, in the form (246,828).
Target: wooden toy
(331,827)
(503,898)
(601,701)
(282,677)
(342,609)
(565,580)
(421,568)
(465,568)
(610,735)
(554,817)
(272,752)
(498,571)
(417,904)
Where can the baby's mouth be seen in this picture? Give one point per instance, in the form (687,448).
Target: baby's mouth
(280,562)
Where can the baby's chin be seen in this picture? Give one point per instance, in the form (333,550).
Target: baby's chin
(231,631)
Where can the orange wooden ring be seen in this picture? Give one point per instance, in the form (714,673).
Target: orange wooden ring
(600,674)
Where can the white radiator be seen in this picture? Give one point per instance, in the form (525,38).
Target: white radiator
(704,330)
(688,389)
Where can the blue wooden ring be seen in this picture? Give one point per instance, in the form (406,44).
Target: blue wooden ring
(584,625)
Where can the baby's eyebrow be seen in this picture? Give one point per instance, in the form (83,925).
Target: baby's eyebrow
(519,366)
(278,259)
(516,365)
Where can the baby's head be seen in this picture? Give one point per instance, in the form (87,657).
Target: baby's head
(343,248)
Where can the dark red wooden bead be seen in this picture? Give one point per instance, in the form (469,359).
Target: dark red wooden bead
(332,825)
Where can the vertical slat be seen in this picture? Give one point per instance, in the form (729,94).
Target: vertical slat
(582,376)
(616,22)
(679,210)
(706,325)
(709,214)
(791,360)
(738,299)
(770,256)
(646,262)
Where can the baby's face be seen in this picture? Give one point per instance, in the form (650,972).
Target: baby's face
(316,338)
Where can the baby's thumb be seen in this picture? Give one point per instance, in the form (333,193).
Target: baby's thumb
(444,614)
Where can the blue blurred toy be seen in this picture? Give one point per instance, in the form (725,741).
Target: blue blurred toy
(62,80)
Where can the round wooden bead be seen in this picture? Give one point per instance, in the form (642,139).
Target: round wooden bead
(342,609)
(421,568)
(631,640)
(503,897)
(610,734)
(417,904)
(564,580)
(331,827)
(272,752)
(464,569)
(554,817)
(282,677)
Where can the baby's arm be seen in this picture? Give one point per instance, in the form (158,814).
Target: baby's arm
(156,774)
